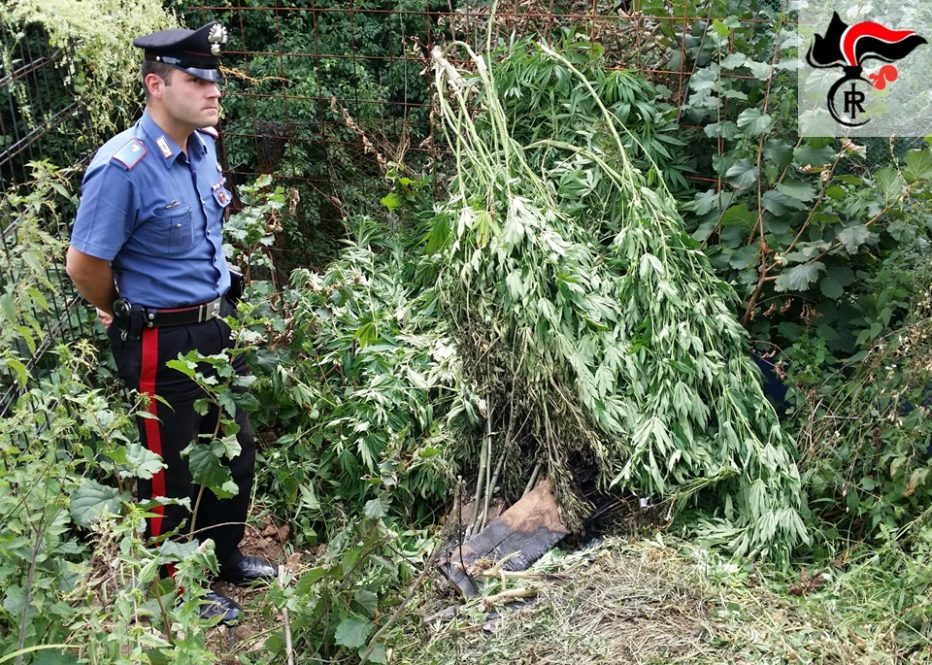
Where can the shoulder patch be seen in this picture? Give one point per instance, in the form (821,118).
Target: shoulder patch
(130,154)
(212,131)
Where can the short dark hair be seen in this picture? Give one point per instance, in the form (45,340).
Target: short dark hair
(160,69)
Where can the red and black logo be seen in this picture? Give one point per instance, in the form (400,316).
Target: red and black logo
(849,47)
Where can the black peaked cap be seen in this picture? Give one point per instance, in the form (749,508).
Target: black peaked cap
(196,52)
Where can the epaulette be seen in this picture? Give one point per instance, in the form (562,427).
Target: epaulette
(212,131)
(130,154)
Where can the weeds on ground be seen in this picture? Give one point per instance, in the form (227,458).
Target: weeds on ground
(660,600)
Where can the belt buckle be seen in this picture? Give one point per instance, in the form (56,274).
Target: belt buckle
(212,310)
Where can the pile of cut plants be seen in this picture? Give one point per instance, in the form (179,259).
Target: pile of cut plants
(591,326)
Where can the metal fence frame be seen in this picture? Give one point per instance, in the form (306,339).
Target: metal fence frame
(33,123)
(37,113)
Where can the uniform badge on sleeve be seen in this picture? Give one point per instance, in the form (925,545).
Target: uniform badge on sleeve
(130,154)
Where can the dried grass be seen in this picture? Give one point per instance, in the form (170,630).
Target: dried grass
(640,601)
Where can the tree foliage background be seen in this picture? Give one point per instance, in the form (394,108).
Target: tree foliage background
(369,413)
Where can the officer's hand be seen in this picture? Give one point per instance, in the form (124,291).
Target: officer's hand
(105,319)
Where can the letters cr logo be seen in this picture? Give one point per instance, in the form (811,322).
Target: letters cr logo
(848,47)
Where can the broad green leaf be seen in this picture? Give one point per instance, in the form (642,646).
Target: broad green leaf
(734,93)
(841,274)
(174,550)
(438,238)
(377,654)
(754,122)
(33,262)
(918,165)
(485,228)
(515,285)
(790,330)
(917,478)
(745,257)
(738,215)
(310,578)
(225,397)
(799,278)
(827,333)
(779,203)
(28,338)
(186,367)
(650,263)
(742,173)
(55,657)
(8,308)
(392,201)
(831,288)
(366,334)
(705,79)
(734,60)
(228,444)
(352,632)
(725,130)
(890,184)
(854,236)
(368,601)
(22,374)
(141,462)
(374,509)
(40,300)
(705,202)
(761,70)
(92,500)
(720,28)
(812,154)
(207,469)
(848,179)
(778,153)
(801,191)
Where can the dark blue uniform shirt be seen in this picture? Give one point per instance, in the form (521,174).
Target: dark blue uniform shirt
(156,214)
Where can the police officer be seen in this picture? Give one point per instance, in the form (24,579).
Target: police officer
(146,251)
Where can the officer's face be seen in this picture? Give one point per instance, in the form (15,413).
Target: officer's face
(191,100)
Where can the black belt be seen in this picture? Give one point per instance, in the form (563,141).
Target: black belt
(183,316)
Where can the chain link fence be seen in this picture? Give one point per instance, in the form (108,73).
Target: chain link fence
(313,88)
(39,120)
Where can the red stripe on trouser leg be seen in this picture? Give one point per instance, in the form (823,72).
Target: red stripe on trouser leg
(150,365)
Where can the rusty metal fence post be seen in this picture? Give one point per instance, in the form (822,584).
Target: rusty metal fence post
(297,69)
(39,119)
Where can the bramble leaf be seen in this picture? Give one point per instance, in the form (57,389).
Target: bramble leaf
(352,632)
(799,278)
(754,122)
(854,236)
(92,500)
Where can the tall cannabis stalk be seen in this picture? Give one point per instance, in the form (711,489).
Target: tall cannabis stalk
(624,353)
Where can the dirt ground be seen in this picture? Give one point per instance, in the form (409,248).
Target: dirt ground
(643,601)
(270,541)
(639,601)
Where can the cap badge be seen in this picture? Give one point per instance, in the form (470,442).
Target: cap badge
(216,37)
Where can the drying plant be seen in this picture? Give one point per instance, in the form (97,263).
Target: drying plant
(595,328)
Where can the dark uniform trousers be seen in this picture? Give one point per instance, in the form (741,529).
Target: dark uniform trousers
(141,358)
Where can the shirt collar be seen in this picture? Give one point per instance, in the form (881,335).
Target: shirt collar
(164,144)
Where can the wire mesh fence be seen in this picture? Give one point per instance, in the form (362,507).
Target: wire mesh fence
(312,87)
(39,118)
(297,70)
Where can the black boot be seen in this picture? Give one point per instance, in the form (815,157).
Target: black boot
(215,604)
(244,570)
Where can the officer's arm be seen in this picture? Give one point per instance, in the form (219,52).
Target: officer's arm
(93,278)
